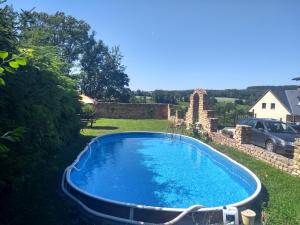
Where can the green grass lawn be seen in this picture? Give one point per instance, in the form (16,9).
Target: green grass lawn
(42,202)
(103,126)
(280,195)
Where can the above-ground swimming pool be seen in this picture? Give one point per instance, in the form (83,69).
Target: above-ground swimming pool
(152,177)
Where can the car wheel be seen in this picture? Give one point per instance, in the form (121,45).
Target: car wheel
(270,147)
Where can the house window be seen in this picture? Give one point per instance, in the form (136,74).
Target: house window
(264,105)
(272,105)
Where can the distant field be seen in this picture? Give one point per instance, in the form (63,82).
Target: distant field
(144,99)
(224,99)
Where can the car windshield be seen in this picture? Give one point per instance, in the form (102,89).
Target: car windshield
(278,127)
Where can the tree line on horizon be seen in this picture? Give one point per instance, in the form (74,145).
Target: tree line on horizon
(248,96)
(229,111)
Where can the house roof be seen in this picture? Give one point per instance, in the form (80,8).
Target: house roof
(282,97)
(290,99)
(293,97)
(87,100)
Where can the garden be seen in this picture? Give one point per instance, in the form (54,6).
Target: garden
(41,129)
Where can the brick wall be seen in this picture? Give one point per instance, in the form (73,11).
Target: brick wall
(131,111)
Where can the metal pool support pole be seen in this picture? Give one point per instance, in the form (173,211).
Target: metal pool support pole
(191,209)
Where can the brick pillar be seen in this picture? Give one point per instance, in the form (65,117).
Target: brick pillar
(296,158)
(169,112)
(243,134)
(176,116)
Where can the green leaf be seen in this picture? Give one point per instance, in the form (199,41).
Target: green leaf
(26,51)
(21,61)
(3,55)
(29,52)
(8,69)
(3,149)
(14,64)
(14,135)
(9,138)
(1,69)
(2,82)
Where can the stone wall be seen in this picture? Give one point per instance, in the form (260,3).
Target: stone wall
(199,112)
(243,134)
(131,111)
(296,165)
(174,118)
(241,142)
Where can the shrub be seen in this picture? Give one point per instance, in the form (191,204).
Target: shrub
(88,113)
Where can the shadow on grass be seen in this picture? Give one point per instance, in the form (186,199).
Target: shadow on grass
(103,128)
(260,203)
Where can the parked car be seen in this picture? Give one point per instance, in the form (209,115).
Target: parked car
(273,135)
(296,127)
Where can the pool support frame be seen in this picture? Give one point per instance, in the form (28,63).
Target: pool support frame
(140,214)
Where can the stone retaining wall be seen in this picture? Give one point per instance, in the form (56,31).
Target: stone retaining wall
(243,134)
(296,165)
(241,142)
(131,111)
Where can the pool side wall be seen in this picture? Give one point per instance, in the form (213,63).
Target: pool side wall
(131,213)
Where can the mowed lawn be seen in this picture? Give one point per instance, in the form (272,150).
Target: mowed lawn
(103,126)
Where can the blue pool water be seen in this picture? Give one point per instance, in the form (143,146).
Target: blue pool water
(160,170)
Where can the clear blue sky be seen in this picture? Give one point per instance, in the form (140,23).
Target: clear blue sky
(184,44)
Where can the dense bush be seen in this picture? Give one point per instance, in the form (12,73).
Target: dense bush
(42,99)
(44,102)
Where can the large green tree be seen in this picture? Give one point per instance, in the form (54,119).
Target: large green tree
(103,74)
(8,31)
(66,33)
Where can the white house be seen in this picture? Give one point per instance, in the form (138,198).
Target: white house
(281,105)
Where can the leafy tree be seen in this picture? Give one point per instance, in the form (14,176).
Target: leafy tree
(92,80)
(104,74)
(9,65)
(65,32)
(12,63)
(229,113)
(40,97)
(8,29)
